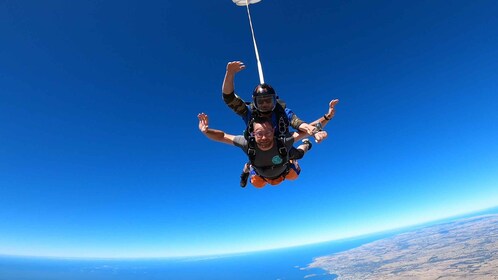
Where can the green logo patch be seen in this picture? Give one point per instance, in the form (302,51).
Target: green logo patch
(276,160)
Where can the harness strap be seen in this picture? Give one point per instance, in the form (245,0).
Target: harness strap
(283,129)
(282,149)
(282,125)
(251,151)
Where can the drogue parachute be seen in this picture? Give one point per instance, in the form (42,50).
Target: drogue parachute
(246,3)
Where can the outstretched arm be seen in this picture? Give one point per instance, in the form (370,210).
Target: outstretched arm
(306,128)
(310,129)
(213,134)
(328,116)
(323,121)
(319,136)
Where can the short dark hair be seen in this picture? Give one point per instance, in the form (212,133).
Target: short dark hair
(261,120)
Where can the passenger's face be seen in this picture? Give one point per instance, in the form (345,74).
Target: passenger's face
(263,134)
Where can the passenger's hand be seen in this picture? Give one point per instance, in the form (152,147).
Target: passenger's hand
(203,122)
(331,112)
(234,67)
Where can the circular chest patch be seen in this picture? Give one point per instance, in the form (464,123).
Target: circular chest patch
(276,160)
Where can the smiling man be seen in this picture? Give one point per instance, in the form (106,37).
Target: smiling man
(270,164)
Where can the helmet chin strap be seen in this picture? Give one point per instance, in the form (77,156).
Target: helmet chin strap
(260,68)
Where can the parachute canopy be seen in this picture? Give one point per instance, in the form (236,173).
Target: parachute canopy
(243,2)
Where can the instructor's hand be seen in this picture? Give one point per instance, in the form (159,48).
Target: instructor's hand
(307,128)
(234,67)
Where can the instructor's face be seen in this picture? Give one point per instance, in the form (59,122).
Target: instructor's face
(265,103)
(263,134)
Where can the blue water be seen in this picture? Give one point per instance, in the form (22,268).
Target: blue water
(275,264)
(282,264)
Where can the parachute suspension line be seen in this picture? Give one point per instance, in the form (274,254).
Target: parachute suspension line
(260,68)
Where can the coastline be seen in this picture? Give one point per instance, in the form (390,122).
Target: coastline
(459,247)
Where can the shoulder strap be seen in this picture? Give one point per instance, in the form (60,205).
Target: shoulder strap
(283,130)
(282,120)
(251,141)
(282,103)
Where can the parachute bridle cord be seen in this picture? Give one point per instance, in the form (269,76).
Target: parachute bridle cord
(260,68)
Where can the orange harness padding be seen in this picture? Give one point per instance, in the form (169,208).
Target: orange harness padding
(294,170)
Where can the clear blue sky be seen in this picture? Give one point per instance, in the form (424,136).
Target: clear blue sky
(100,155)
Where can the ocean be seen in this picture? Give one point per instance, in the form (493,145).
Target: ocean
(274,264)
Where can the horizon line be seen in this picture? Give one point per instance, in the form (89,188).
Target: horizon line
(397,230)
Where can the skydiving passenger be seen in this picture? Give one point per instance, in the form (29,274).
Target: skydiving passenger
(265,104)
(268,164)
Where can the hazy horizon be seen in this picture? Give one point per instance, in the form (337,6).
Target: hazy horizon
(487,211)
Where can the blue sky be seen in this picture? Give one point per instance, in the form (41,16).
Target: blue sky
(100,155)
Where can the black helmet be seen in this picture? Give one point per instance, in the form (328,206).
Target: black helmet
(264,98)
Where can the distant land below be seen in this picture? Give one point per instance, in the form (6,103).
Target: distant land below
(459,248)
